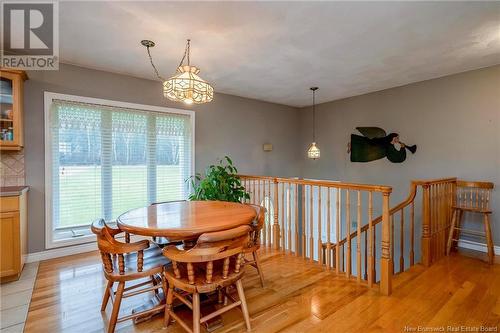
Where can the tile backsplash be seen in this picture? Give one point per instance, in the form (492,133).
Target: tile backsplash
(12,168)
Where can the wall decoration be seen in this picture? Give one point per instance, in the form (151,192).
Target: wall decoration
(374,144)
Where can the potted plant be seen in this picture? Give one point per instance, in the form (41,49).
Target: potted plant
(220,182)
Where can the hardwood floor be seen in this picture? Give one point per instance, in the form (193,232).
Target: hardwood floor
(299,297)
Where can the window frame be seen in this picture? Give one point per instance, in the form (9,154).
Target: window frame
(50,241)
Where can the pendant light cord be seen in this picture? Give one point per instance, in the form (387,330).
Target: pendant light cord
(154,67)
(314,116)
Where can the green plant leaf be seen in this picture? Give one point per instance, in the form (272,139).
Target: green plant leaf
(220,182)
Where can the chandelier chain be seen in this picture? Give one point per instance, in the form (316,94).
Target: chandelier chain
(186,53)
(154,67)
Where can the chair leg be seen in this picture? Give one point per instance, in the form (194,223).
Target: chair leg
(196,313)
(451,232)
(489,240)
(244,308)
(168,305)
(259,267)
(458,224)
(116,307)
(105,298)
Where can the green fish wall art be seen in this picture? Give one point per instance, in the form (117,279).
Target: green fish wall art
(374,144)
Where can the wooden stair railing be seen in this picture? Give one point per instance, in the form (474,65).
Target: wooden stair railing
(326,208)
(332,223)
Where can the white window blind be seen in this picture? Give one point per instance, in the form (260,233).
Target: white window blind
(107,160)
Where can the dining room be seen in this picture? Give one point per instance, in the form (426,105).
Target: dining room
(255,166)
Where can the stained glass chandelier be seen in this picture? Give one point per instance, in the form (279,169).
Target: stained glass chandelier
(185,86)
(313,151)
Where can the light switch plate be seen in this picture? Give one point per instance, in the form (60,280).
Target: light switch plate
(267,147)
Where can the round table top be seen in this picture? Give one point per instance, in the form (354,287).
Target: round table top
(184,220)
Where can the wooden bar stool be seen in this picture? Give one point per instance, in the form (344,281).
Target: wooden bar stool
(472,197)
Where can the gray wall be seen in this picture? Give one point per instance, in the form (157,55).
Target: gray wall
(229,125)
(454,120)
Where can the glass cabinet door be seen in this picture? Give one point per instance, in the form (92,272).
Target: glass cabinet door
(11,99)
(6,110)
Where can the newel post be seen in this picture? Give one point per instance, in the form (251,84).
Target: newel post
(276,226)
(386,260)
(426,226)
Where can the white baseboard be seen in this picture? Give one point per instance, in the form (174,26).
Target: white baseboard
(61,252)
(68,250)
(471,245)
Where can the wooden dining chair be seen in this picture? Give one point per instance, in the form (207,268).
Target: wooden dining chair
(213,264)
(254,244)
(124,263)
(164,241)
(472,197)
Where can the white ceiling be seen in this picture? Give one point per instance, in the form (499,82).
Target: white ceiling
(274,51)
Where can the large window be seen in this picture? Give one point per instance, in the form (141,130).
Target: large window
(104,158)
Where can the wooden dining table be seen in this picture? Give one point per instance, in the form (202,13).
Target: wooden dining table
(184,221)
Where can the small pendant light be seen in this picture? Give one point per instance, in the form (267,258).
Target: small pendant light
(313,151)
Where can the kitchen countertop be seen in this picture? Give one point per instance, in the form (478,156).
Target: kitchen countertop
(10,191)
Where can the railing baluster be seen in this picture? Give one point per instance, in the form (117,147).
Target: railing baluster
(343,257)
(365,274)
(283,219)
(320,245)
(435,230)
(337,232)
(401,242)
(371,235)
(328,240)
(392,243)
(358,239)
(296,200)
(289,217)
(252,191)
(374,254)
(412,234)
(303,249)
(311,224)
(266,226)
(257,197)
(348,231)
(270,217)
(269,226)
(276,228)
(439,219)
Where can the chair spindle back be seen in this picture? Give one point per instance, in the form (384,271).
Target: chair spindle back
(210,249)
(474,195)
(113,251)
(257,225)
